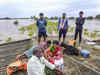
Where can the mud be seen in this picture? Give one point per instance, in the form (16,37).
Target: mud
(9,51)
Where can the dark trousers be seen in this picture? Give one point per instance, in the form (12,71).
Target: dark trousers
(62,32)
(78,31)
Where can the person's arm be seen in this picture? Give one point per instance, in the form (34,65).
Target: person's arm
(22,56)
(76,21)
(45,23)
(27,53)
(83,21)
(66,24)
(51,66)
(48,64)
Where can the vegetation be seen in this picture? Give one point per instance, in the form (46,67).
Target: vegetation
(53,18)
(97,16)
(16,22)
(86,33)
(22,29)
(52,26)
(34,17)
(71,18)
(32,28)
(90,18)
(93,34)
(9,39)
(1,40)
(71,29)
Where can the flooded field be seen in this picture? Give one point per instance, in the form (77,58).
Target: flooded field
(9,51)
(9,29)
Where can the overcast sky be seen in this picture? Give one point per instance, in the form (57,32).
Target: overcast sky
(26,8)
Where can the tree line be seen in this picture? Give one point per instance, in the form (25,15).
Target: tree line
(55,18)
(72,18)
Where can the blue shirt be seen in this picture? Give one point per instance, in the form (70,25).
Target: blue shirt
(62,21)
(41,23)
(29,52)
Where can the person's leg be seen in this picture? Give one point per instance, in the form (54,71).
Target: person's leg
(64,34)
(80,36)
(44,36)
(39,37)
(60,34)
(76,33)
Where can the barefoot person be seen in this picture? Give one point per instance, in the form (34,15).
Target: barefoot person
(79,26)
(41,24)
(62,27)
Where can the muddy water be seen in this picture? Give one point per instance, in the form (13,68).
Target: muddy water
(8,28)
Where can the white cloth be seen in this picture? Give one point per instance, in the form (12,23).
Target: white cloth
(36,66)
(60,63)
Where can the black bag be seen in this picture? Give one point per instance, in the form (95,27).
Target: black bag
(70,50)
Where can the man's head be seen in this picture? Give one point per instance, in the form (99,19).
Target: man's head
(55,43)
(37,52)
(63,15)
(41,15)
(48,43)
(81,13)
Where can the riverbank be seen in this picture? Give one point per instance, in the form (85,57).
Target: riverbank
(9,51)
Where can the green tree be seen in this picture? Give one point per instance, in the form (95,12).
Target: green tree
(71,18)
(16,22)
(97,16)
(90,17)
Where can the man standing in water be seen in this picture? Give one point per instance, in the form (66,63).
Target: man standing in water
(41,24)
(79,26)
(62,26)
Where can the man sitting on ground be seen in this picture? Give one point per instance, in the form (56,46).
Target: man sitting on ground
(37,63)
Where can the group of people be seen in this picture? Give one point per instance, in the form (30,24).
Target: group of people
(62,27)
(50,53)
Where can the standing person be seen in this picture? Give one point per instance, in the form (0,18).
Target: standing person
(79,26)
(41,24)
(62,26)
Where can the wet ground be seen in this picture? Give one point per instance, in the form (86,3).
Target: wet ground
(70,67)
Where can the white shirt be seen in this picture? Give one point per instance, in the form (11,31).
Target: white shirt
(36,66)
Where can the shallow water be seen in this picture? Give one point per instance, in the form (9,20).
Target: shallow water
(8,29)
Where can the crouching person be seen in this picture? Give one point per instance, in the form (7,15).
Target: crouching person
(58,55)
(36,64)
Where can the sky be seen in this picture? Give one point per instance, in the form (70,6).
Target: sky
(27,8)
